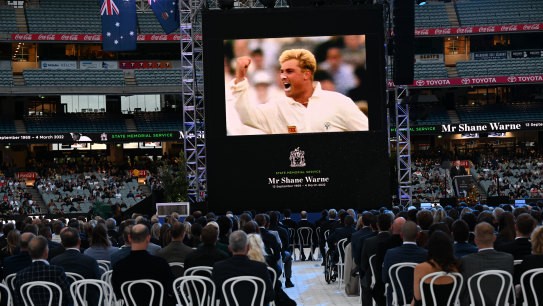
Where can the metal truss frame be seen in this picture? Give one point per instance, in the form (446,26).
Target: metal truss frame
(403,146)
(192,95)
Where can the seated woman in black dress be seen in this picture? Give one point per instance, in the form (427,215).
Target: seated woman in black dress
(440,258)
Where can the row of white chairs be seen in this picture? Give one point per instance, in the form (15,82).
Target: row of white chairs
(195,287)
(477,285)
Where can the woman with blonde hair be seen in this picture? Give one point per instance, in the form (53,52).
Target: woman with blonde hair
(257,251)
(533,261)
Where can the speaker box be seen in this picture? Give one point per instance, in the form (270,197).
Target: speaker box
(404,37)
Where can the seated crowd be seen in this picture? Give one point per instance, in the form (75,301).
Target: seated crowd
(459,240)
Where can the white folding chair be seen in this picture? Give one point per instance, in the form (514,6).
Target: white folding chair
(504,290)
(9,280)
(106,276)
(397,286)
(341,262)
(199,270)
(305,238)
(258,290)
(531,284)
(5,296)
(194,290)
(517,262)
(72,277)
(373,262)
(178,268)
(104,265)
(455,292)
(273,275)
(50,287)
(128,287)
(79,288)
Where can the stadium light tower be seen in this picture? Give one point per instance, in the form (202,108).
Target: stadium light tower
(421,2)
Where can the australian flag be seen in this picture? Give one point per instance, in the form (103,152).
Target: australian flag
(167,13)
(119,25)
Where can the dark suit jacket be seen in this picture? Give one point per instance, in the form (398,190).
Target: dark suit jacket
(460,171)
(142,265)
(73,261)
(370,248)
(283,235)
(483,261)
(17,262)
(290,223)
(40,271)
(272,247)
(239,265)
(404,253)
(205,255)
(519,248)
(357,241)
(462,249)
(176,251)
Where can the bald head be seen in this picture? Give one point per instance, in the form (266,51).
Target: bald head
(37,248)
(484,235)
(139,237)
(396,227)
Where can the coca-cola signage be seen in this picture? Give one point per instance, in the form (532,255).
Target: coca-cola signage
(476,81)
(479,29)
(91,37)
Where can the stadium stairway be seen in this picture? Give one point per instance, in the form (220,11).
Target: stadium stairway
(20,127)
(453,115)
(130,125)
(451,14)
(452,72)
(20,19)
(37,198)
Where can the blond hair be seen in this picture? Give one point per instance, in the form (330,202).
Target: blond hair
(256,248)
(537,241)
(306,59)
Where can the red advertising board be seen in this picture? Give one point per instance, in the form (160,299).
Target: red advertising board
(526,27)
(476,81)
(93,37)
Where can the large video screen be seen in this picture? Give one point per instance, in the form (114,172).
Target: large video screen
(295,85)
(295,108)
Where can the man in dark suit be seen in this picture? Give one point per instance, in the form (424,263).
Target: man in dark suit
(313,239)
(457,169)
(72,260)
(240,265)
(521,246)
(370,248)
(272,246)
(358,237)
(139,264)
(485,259)
(40,270)
(207,253)
(17,262)
(176,250)
(287,221)
(407,252)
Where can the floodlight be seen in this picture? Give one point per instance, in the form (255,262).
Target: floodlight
(421,2)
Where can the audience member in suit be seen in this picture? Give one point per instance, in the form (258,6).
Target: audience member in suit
(71,260)
(533,261)
(176,250)
(207,253)
(341,233)
(305,223)
(440,259)
(45,231)
(521,246)
(485,259)
(287,221)
(139,264)
(240,265)
(319,225)
(286,255)
(460,232)
(17,262)
(364,231)
(370,248)
(40,270)
(409,251)
(273,248)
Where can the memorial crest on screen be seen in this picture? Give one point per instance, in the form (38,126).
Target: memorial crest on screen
(297,158)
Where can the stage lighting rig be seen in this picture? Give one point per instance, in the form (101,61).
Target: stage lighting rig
(226,4)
